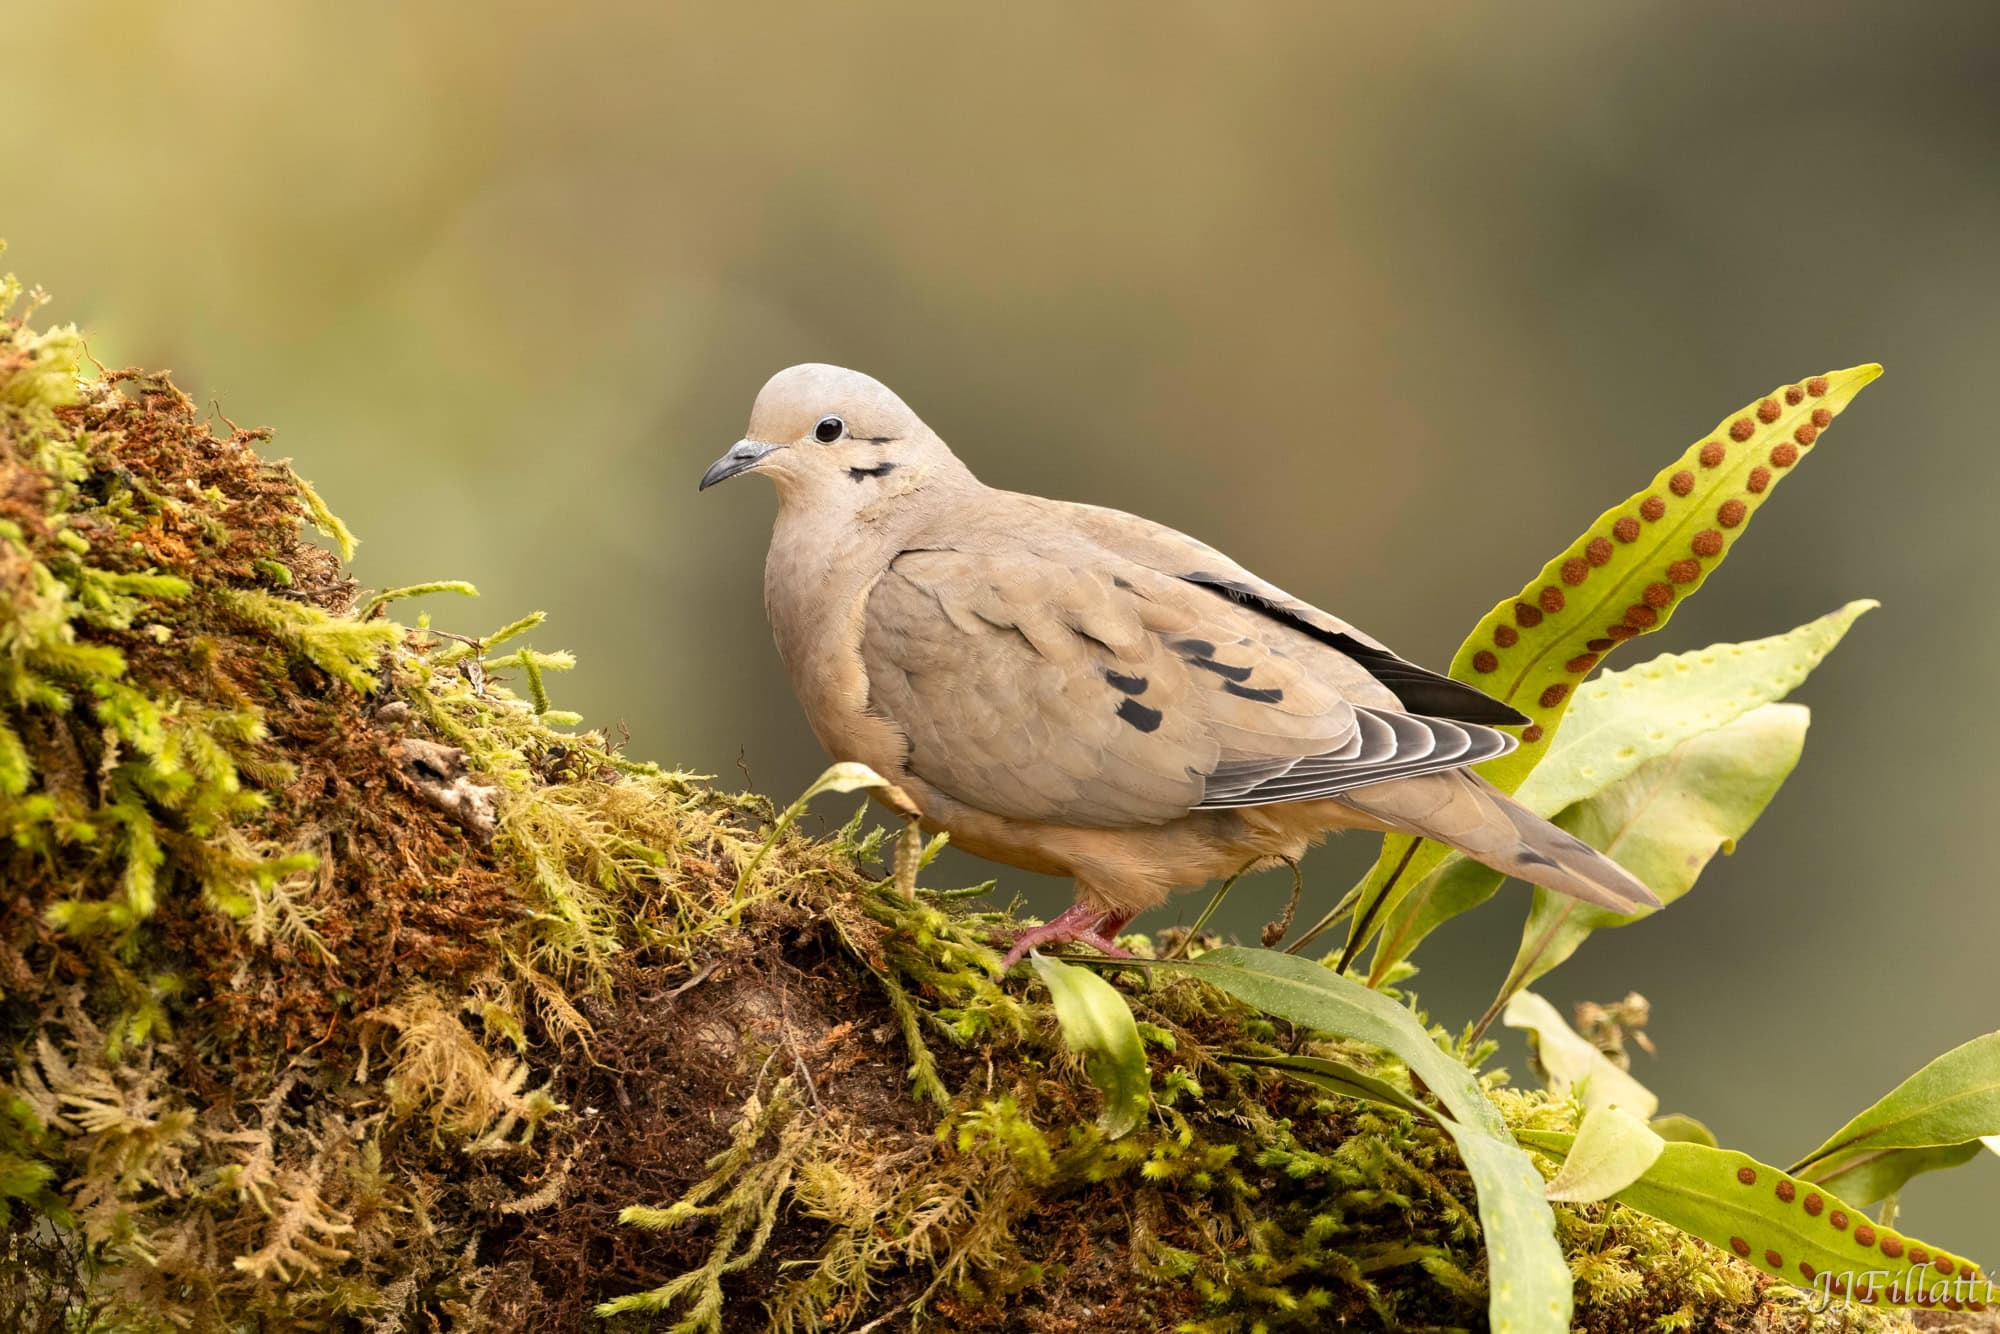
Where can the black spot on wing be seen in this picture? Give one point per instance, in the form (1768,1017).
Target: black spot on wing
(1200,653)
(879,470)
(1139,716)
(1120,581)
(1221,669)
(1421,691)
(1131,685)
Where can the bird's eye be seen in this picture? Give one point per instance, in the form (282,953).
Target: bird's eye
(829,430)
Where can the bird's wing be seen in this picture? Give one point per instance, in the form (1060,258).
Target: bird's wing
(1171,552)
(1096,692)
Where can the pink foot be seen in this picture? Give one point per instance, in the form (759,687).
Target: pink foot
(1077,924)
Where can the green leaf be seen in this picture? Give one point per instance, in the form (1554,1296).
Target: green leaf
(1684,1129)
(1623,719)
(1617,723)
(1574,1062)
(1933,1119)
(1097,1024)
(1664,822)
(1613,1149)
(847,776)
(1870,1177)
(1600,584)
(1528,1279)
(1338,1077)
(1790,1228)
(1622,578)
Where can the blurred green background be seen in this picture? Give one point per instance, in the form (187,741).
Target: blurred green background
(1386,301)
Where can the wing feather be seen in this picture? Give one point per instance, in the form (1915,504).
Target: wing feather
(1446,745)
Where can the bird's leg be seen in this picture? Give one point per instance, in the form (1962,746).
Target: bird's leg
(1275,931)
(1080,923)
(909,857)
(910,847)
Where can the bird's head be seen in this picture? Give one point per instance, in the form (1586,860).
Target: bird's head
(828,436)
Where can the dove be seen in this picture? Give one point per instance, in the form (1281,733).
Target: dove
(1085,693)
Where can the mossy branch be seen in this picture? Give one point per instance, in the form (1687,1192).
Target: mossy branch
(303,1042)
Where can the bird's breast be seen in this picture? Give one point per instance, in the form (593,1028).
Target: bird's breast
(816,602)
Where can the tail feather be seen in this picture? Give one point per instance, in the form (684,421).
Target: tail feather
(1466,812)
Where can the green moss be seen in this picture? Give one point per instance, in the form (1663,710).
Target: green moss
(344,984)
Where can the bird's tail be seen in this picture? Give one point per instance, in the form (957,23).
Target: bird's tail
(1463,810)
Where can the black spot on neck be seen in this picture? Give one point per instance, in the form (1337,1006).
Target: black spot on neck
(1131,685)
(1139,716)
(879,470)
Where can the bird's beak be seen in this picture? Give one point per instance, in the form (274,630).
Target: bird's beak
(742,456)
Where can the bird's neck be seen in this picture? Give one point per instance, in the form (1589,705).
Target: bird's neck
(822,565)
